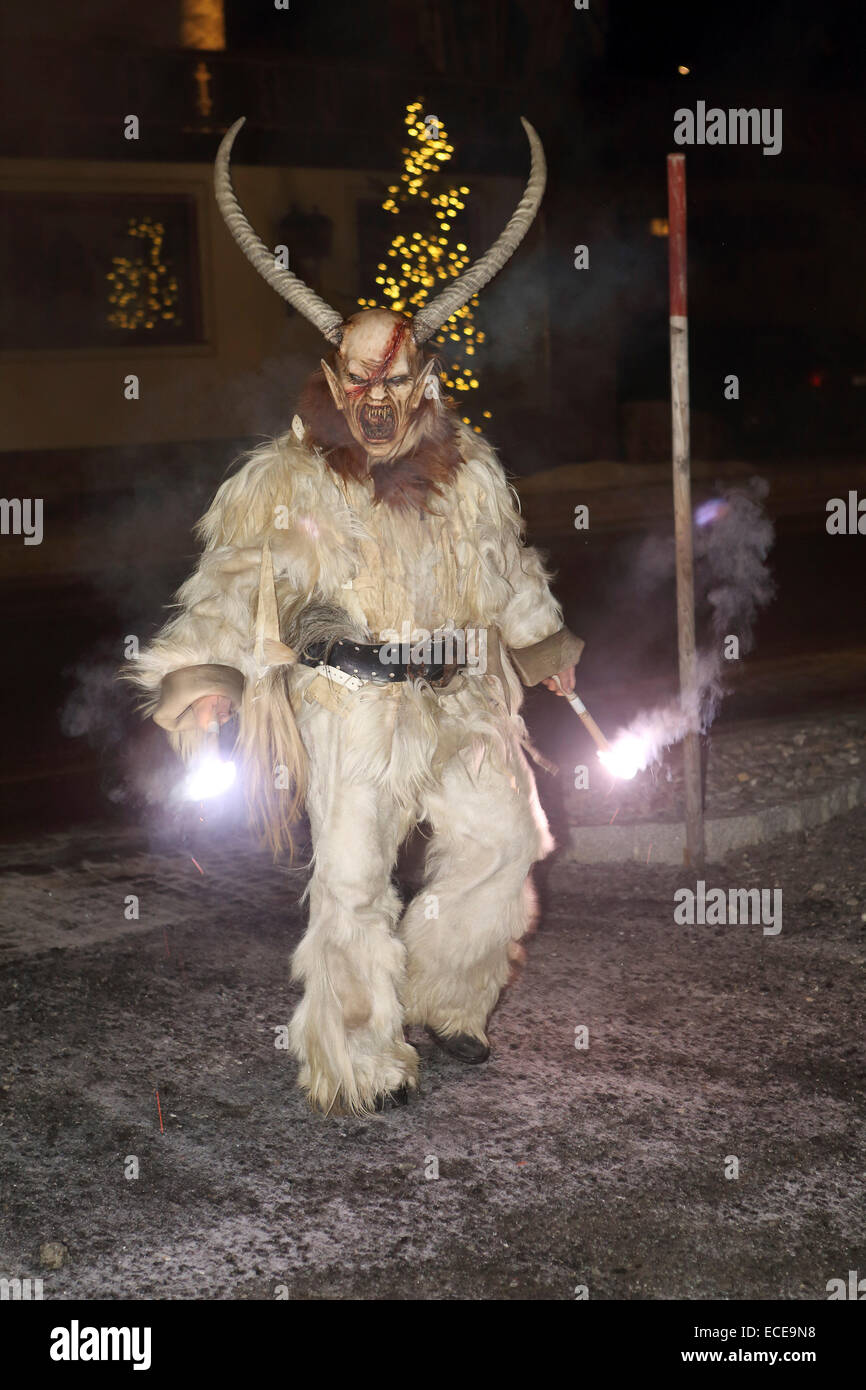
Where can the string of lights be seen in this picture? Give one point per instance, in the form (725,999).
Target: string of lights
(143,291)
(417,263)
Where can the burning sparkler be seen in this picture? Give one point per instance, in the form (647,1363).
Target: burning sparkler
(625,757)
(212,775)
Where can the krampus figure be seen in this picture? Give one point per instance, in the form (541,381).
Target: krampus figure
(366,606)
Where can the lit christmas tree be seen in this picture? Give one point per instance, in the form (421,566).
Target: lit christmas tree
(143,291)
(421,262)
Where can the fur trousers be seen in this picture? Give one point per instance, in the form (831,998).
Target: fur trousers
(367,966)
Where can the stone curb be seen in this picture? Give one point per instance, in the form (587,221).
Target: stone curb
(663,842)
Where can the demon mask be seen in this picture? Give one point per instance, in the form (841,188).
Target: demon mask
(378,377)
(378,382)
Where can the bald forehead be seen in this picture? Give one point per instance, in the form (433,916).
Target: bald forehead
(370,336)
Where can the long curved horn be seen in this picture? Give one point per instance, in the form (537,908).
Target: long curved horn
(286,284)
(434,314)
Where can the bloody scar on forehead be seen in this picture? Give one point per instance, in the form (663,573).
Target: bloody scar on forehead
(381,371)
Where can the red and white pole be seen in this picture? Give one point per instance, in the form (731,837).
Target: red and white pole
(679,331)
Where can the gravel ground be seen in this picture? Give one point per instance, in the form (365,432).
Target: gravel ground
(558,1166)
(749,766)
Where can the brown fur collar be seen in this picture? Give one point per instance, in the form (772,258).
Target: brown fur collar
(407,483)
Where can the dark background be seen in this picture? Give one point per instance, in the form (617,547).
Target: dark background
(326,86)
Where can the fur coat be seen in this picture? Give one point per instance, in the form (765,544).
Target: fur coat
(462,560)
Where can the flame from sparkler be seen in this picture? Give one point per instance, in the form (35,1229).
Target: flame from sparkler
(627,756)
(210,778)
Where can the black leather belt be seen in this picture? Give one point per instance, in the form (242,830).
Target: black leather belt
(361,659)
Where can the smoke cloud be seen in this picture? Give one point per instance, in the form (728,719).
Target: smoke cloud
(733,537)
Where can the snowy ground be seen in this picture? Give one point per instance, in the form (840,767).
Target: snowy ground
(557,1166)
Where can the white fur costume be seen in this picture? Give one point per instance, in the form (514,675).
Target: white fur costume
(390,758)
(310,532)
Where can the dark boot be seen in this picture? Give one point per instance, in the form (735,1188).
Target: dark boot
(391,1100)
(462,1046)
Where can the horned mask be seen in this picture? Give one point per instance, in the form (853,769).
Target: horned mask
(378,376)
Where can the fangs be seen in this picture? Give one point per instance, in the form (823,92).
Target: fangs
(378,422)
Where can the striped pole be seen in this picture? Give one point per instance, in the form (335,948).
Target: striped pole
(679,330)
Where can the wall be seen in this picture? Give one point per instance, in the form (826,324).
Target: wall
(243,378)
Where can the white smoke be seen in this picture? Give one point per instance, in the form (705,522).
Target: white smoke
(733,537)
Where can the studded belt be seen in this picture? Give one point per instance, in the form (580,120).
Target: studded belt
(360,661)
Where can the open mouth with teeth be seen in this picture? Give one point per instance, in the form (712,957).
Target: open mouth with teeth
(378,422)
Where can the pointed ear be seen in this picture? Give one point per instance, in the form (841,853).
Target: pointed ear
(334,386)
(419,389)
